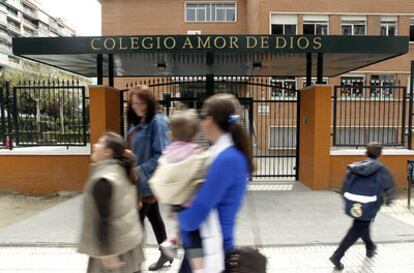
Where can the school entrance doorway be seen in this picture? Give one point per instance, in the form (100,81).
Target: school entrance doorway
(184,70)
(269,113)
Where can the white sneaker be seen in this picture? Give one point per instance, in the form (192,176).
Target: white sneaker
(169,249)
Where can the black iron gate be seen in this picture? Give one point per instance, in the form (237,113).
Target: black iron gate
(44,113)
(269,113)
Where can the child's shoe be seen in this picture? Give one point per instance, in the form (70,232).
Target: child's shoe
(169,248)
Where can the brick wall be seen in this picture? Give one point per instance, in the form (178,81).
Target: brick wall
(42,174)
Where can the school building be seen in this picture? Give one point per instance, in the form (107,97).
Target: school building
(317,80)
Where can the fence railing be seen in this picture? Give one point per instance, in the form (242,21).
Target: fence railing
(44,114)
(362,114)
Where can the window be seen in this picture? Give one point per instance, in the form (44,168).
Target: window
(324,81)
(282,137)
(315,28)
(284,29)
(351,87)
(362,135)
(210,12)
(284,24)
(315,25)
(388,26)
(353,25)
(284,88)
(381,86)
(412,30)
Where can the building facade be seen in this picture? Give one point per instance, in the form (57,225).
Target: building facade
(320,17)
(25,18)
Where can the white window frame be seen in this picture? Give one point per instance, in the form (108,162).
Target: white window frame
(314,79)
(387,22)
(314,23)
(210,3)
(353,21)
(382,84)
(278,19)
(270,147)
(411,25)
(316,20)
(283,81)
(353,76)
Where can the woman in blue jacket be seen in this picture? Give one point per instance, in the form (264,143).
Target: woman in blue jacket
(148,138)
(226,182)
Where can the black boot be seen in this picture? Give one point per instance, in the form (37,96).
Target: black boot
(160,263)
(372,251)
(336,262)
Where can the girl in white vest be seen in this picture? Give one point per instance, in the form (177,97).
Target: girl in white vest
(111,234)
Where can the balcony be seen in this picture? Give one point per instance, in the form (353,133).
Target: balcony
(7,50)
(57,30)
(31,13)
(15,29)
(29,24)
(5,37)
(3,19)
(14,3)
(42,33)
(13,16)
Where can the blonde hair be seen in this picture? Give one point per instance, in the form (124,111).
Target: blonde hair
(184,125)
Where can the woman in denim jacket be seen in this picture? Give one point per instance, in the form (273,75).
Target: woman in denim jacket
(147,137)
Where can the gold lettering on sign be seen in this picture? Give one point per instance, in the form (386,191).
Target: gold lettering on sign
(93,43)
(169,42)
(300,43)
(292,42)
(121,44)
(234,42)
(280,40)
(134,42)
(158,42)
(264,42)
(223,42)
(317,42)
(148,45)
(188,44)
(249,40)
(204,44)
(107,47)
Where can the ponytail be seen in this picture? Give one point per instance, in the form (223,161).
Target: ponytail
(242,142)
(224,108)
(128,160)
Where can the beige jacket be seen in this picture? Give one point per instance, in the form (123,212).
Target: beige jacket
(175,183)
(125,232)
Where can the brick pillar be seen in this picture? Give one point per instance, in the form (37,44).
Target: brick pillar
(104,110)
(315,136)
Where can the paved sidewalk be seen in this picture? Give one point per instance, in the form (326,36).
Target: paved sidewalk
(296,228)
(291,216)
(391,258)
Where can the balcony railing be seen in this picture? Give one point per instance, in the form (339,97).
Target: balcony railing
(29,24)
(13,16)
(4,36)
(3,19)
(15,28)
(6,50)
(31,13)
(14,3)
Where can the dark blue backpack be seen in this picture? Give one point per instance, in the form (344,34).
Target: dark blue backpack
(362,196)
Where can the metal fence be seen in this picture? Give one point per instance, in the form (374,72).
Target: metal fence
(362,114)
(44,113)
(269,112)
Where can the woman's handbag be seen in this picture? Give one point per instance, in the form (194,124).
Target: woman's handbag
(245,260)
